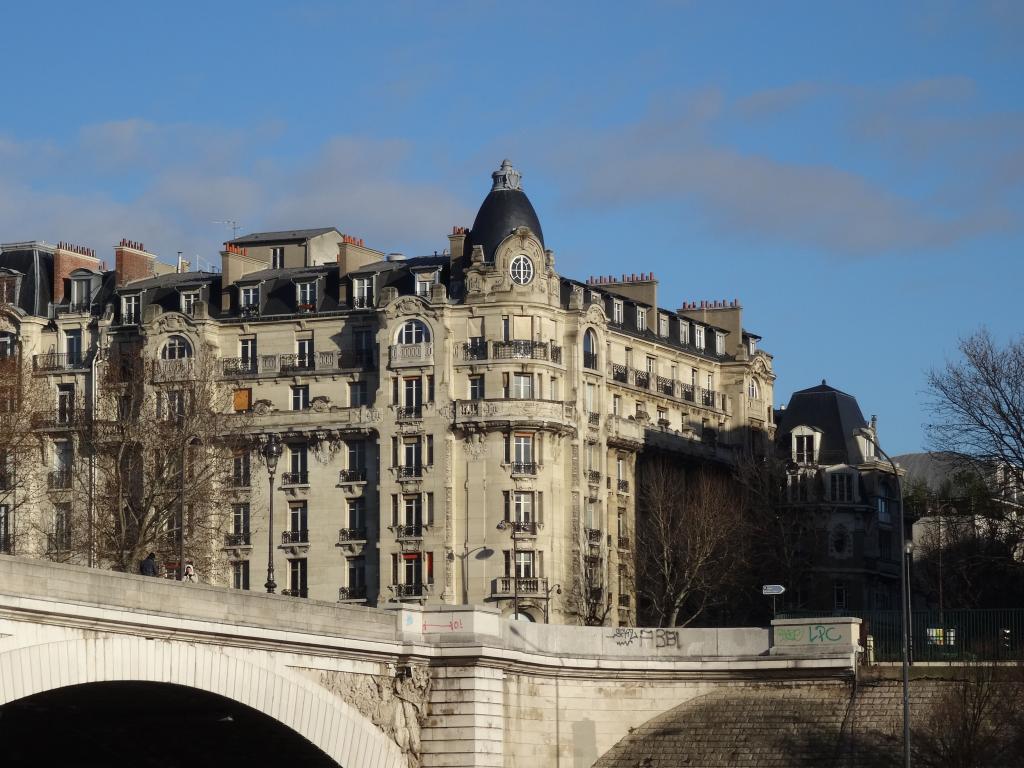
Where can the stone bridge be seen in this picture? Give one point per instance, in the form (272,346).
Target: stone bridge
(375,688)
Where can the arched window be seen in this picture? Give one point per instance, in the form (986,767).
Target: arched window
(413,332)
(590,349)
(753,391)
(176,348)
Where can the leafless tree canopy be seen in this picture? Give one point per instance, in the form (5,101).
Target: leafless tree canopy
(690,540)
(978,407)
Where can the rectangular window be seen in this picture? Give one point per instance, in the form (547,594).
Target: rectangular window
(277,257)
(247,348)
(357,513)
(357,573)
(130,310)
(412,508)
(841,484)
(803,449)
(522,386)
(65,403)
(412,453)
(885,546)
(240,466)
(304,353)
(617,312)
(306,294)
(362,289)
(358,394)
(250,296)
(300,397)
(662,325)
(684,331)
(476,387)
(652,365)
(524,565)
(590,519)
(423,287)
(616,405)
(522,506)
(641,319)
(413,392)
(297,577)
(590,397)
(839,596)
(884,516)
(298,515)
(621,524)
(188,302)
(240,522)
(522,446)
(61,540)
(240,574)
(6,528)
(73,346)
(297,458)
(719,343)
(698,336)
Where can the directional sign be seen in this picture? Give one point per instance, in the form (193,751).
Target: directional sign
(772,589)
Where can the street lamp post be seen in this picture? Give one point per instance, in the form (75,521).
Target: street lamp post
(482,553)
(271,452)
(557,589)
(905,551)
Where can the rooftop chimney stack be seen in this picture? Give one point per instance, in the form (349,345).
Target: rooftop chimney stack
(132,262)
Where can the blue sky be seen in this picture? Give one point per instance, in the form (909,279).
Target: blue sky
(852,172)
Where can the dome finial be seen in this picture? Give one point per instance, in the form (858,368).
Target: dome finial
(506,177)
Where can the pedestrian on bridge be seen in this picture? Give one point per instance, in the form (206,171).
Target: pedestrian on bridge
(148,567)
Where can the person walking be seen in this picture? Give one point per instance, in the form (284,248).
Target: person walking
(148,566)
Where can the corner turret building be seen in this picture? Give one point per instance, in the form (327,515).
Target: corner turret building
(456,428)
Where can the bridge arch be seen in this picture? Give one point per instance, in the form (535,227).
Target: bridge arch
(300,704)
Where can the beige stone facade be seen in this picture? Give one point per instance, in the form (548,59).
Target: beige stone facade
(450,422)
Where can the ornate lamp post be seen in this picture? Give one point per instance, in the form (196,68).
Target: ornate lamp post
(271,452)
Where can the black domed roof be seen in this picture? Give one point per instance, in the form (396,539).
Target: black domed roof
(505,208)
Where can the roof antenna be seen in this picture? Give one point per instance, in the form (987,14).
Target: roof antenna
(234,227)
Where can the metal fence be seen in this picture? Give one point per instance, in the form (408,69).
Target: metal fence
(959,635)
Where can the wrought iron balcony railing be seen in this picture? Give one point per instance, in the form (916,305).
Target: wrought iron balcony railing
(666,386)
(523,527)
(593,419)
(346,535)
(357,475)
(593,476)
(524,467)
(593,535)
(409,412)
(410,470)
(474,351)
(300,536)
(623,486)
(413,531)
(61,361)
(296,362)
(7,543)
(620,373)
(521,349)
(707,397)
(249,310)
(687,392)
(410,590)
(624,542)
(642,379)
(352,593)
(590,360)
(295,478)
(295,592)
(362,302)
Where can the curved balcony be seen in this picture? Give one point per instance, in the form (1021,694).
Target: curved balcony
(411,355)
(524,349)
(553,415)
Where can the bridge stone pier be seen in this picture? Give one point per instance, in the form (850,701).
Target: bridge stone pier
(375,688)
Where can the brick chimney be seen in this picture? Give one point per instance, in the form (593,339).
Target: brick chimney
(353,254)
(132,262)
(457,242)
(638,287)
(66,259)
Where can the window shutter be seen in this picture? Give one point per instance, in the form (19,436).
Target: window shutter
(508,562)
(539,512)
(430,450)
(394,509)
(394,391)
(243,400)
(508,504)
(508,448)
(430,567)
(430,389)
(430,508)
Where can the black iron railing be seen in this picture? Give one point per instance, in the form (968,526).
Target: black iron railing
(239,539)
(60,361)
(296,362)
(474,350)
(409,590)
(594,419)
(346,535)
(623,542)
(523,527)
(409,412)
(520,349)
(352,593)
(59,479)
(414,531)
(524,468)
(666,386)
(362,302)
(623,486)
(593,535)
(7,543)
(593,476)
(590,360)
(410,470)
(299,536)
(620,373)
(642,379)
(352,475)
(295,478)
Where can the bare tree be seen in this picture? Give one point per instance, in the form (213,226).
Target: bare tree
(20,410)
(157,449)
(690,540)
(590,595)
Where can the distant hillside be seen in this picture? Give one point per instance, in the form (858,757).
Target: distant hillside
(929,468)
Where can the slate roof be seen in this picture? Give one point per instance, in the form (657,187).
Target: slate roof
(170,280)
(286,235)
(834,412)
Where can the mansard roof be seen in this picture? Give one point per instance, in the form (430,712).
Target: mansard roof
(830,410)
(282,236)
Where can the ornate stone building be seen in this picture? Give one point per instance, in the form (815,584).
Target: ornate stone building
(456,428)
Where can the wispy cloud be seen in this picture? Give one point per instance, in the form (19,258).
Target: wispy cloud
(166,185)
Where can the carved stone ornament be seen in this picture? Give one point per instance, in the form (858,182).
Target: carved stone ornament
(475,446)
(320,403)
(262,407)
(506,177)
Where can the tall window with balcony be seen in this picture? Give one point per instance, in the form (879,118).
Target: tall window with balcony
(358,394)
(357,577)
(176,348)
(297,583)
(357,516)
(355,470)
(298,516)
(60,539)
(590,350)
(424,284)
(524,565)
(413,332)
(63,464)
(519,452)
(239,535)
(884,514)
(81,295)
(247,349)
(240,469)
(73,346)
(298,473)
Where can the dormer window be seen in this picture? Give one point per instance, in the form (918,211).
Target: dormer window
(7,290)
(684,332)
(81,293)
(305,294)
(130,309)
(617,312)
(662,325)
(804,449)
(277,257)
(250,296)
(719,343)
(424,284)
(751,345)
(362,292)
(698,336)
(641,319)
(188,302)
